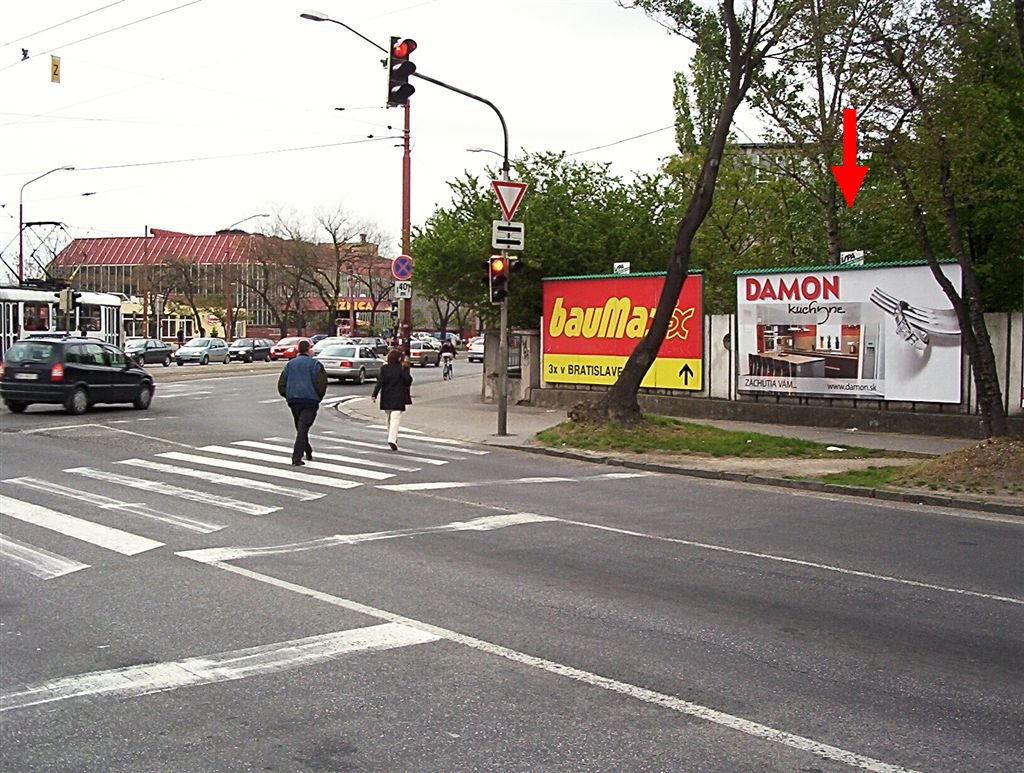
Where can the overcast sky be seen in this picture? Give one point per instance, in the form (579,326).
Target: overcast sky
(253,89)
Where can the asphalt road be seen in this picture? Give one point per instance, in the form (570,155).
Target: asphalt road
(456,608)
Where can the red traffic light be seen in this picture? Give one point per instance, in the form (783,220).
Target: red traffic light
(402,49)
(498,265)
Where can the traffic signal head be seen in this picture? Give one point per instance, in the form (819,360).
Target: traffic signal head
(399,70)
(498,275)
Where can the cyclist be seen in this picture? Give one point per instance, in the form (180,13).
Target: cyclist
(448,353)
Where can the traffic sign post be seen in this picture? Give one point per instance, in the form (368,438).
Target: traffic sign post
(509,195)
(403,289)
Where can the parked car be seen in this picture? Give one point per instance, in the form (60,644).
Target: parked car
(318,337)
(251,349)
(323,343)
(350,362)
(379,345)
(455,338)
(475,350)
(74,372)
(204,351)
(286,348)
(422,353)
(146,351)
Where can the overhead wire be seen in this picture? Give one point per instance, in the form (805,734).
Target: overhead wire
(61,24)
(108,31)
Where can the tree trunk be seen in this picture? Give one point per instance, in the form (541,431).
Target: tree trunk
(620,403)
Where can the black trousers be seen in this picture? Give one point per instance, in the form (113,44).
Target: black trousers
(304,416)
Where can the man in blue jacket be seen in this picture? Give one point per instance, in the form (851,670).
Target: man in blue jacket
(303,383)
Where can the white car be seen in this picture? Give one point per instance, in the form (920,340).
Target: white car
(475,350)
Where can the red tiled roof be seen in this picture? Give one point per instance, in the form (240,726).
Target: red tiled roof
(140,250)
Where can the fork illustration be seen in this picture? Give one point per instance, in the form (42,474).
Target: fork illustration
(935,321)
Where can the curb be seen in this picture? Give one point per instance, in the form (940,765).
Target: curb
(933,500)
(908,497)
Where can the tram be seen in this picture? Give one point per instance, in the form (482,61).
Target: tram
(27,310)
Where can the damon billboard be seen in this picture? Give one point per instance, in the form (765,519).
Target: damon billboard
(882,332)
(592,324)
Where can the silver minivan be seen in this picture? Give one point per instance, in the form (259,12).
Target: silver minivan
(204,351)
(350,362)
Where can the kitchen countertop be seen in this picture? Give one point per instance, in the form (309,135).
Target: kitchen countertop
(798,359)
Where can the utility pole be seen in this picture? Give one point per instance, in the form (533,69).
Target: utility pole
(406,225)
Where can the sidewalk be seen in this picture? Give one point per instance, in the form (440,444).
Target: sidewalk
(452,409)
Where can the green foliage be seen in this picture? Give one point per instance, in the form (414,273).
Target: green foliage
(579,219)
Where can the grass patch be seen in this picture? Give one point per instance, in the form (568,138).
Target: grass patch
(666,435)
(872,477)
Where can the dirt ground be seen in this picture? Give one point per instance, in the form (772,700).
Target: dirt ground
(992,467)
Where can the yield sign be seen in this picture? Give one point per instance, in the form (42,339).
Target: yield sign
(509,195)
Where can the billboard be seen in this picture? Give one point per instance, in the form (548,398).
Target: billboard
(884,333)
(592,324)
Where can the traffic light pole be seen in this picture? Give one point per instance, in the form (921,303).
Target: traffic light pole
(406,227)
(503,317)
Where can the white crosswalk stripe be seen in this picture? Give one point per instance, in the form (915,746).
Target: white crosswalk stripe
(425,440)
(77,528)
(304,495)
(36,561)
(341,469)
(375,449)
(108,503)
(320,455)
(234,465)
(167,489)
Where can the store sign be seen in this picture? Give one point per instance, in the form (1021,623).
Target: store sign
(878,333)
(591,326)
(347,304)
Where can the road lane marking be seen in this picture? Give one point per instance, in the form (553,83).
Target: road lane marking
(285,458)
(265,659)
(77,528)
(290,474)
(287,449)
(225,480)
(139,509)
(696,710)
(167,489)
(36,561)
(440,485)
(484,523)
(799,562)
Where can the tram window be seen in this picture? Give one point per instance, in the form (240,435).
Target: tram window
(36,316)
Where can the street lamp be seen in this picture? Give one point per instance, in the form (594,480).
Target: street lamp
(485,150)
(21,218)
(243,220)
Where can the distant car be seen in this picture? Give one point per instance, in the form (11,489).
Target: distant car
(475,351)
(323,343)
(455,338)
(318,338)
(204,351)
(422,353)
(286,348)
(350,362)
(251,349)
(380,346)
(74,372)
(146,351)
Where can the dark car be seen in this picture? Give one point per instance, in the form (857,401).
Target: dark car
(250,349)
(74,372)
(379,345)
(147,351)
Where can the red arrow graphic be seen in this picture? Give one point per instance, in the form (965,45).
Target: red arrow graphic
(850,176)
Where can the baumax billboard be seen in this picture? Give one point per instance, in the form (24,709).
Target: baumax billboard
(592,324)
(885,332)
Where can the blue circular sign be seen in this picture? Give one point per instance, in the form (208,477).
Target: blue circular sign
(401,267)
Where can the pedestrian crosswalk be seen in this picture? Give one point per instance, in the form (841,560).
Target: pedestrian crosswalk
(83,513)
(78,508)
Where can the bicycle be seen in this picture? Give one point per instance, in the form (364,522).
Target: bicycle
(447,373)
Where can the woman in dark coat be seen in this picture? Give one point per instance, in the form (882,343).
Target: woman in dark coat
(393,387)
